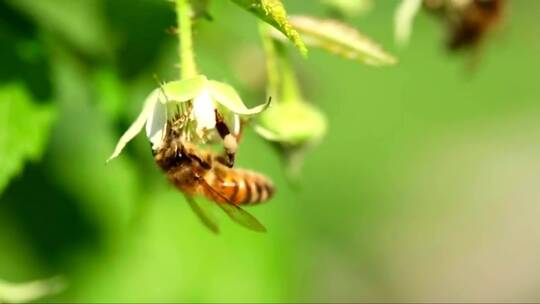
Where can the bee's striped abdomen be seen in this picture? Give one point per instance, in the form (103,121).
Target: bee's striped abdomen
(253,188)
(239,187)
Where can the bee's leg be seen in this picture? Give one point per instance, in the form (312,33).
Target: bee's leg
(230,143)
(187,153)
(154,152)
(204,163)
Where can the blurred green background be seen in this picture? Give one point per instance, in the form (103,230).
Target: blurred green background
(424,189)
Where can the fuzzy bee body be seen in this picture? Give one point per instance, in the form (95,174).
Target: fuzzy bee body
(199,172)
(475,21)
(469,21)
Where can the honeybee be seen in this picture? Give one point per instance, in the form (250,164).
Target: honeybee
(199,172)
(468,20)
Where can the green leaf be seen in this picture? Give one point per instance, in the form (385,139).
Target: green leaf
(24,129)
(341,39)
(273,12)
(80,22)
(227,96)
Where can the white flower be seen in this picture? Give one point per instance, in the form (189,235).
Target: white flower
(205,95)
(204,112)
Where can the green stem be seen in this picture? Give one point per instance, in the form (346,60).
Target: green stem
(272,69)
(184,13)
(290,89)
(282,82)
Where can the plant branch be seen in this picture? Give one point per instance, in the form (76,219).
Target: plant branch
(290,88)
(282,82)
(272,69)
(184,14)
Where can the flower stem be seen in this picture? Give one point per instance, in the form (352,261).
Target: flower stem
(290,89)
(184,13)
(272,69)
(281,78)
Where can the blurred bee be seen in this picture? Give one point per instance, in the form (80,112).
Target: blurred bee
(468,20)
(195,171)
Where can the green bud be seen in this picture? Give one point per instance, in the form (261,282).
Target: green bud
(295,127)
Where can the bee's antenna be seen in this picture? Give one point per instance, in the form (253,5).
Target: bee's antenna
(160,85)
(268,102)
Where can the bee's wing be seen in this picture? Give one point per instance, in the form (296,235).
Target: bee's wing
(236,213)
(203,216)
(242,217)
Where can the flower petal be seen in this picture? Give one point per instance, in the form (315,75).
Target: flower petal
(204,111)
(156,123)
(227,96)
(138,124)
(404,18)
